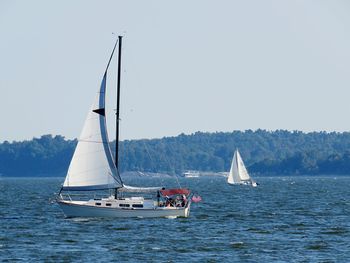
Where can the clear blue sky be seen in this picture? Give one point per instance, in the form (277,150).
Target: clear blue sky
(187,65)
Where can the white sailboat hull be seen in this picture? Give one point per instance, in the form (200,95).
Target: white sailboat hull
(252,184)
(73,209)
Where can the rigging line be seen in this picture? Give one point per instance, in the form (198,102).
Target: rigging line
(118,169)
(109,61)
(177,180)
(121,146)
(170,166)
(118,180)
(149,155)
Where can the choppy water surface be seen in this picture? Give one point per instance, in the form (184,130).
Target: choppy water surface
(285,219)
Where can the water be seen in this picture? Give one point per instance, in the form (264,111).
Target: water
(285,219)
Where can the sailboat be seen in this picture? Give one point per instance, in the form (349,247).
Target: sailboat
(238,173)
(93,169)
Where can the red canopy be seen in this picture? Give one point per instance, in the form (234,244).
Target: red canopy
(180,191)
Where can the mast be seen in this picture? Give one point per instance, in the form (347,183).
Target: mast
(118,111)
(118,104)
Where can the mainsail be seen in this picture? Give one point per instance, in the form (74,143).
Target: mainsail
(92,166)
(238,172)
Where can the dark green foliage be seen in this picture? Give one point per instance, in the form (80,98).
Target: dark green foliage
(273,153)
(279,152)
(43,156)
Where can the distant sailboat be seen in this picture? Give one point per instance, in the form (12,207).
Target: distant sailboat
(238,173)
(93,168)
(191,174)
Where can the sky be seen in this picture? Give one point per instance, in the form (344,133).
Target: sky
(187,66)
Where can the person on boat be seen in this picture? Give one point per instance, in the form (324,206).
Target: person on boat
(178,201)
(158,198)
(169,202)
(184,200)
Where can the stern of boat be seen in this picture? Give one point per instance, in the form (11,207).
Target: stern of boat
(188,208)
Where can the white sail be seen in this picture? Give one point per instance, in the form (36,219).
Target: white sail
(92,166)
(242,171)
(238,172)
(233,176)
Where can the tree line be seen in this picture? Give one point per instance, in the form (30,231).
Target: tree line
(277,152)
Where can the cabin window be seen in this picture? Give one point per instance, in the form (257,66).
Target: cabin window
(97,203)
(137,205)
(108,204)
(124,205)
